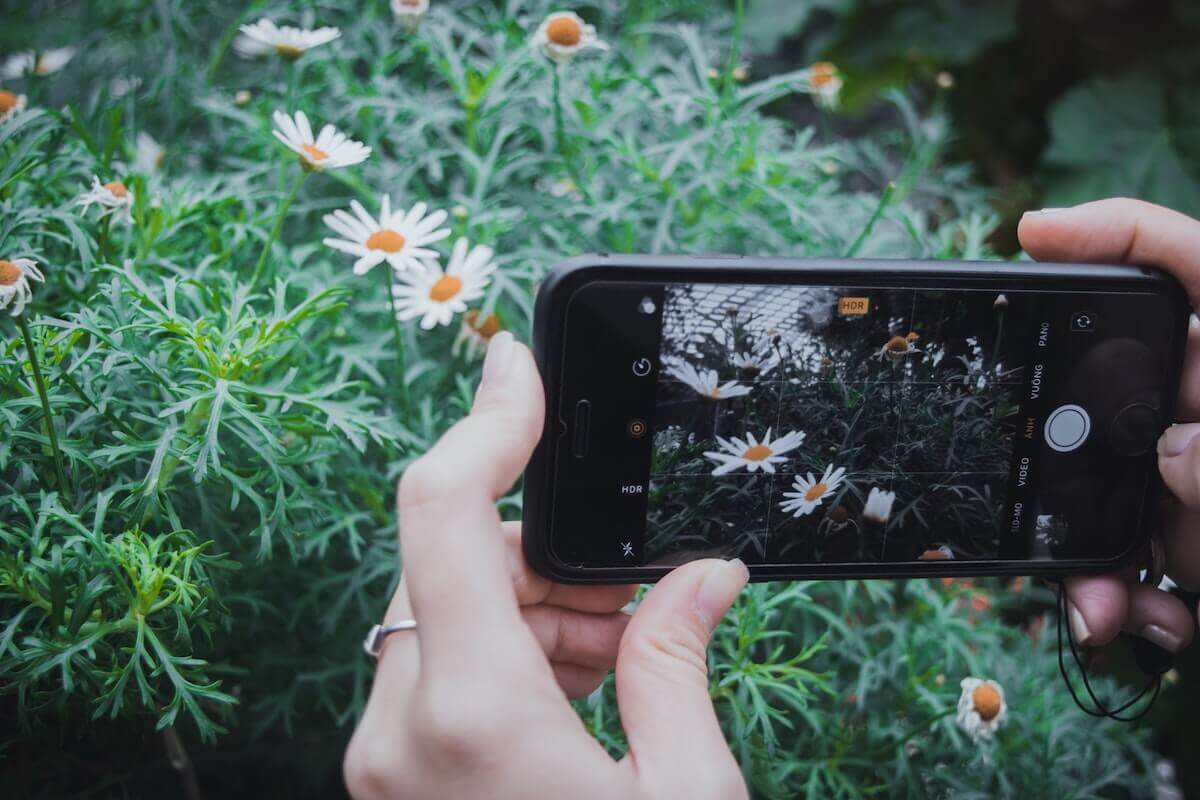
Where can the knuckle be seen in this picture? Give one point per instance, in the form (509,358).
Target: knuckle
(428,480)
(675,652)
(453,725)
(371,769)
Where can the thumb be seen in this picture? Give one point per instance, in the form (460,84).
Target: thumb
(675,741)
(1179,462)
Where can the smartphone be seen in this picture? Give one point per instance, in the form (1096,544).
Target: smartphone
(826,418)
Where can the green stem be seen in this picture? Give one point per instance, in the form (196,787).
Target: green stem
(47,416)
(560,136)
(283,209)
(85,397)
(191,424)
(735,48)
(884,200)
(401,364)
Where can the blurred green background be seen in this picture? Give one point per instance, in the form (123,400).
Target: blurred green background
(1054,102)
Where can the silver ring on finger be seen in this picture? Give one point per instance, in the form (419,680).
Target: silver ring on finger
(373,644)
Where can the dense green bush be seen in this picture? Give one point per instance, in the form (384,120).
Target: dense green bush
(196,517)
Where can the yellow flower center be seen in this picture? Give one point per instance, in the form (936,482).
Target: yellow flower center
(486,329)
(934,555)
(897,344)
(385,240)
(912,337)
(314,152)
(117,189)
(823,73)
(816,491)
(987,701)
(288,51)
(446,287)
(564,31)
(8,101)
(10,273)
(410,3)
(759,452)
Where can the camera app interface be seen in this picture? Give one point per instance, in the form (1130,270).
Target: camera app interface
(811,424)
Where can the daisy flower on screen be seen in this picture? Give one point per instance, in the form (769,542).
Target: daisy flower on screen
(752,455)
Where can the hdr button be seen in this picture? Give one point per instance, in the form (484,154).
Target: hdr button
(1067,428)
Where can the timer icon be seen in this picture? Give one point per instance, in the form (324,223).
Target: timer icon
(642,367)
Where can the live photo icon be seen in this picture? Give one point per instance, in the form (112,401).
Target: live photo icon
(853,306)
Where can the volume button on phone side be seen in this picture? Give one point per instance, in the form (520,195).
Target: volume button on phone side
(580,434)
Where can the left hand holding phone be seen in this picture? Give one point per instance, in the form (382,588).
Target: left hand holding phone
(474,701)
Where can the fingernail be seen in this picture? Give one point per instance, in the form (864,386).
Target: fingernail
(1167,640)
(1046,211)
(718,590)
(499,355)
(1079,628)
(1177,438)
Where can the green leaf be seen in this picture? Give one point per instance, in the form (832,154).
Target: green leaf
(1112,138)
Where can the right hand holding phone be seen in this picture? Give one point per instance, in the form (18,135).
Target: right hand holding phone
(1131,231)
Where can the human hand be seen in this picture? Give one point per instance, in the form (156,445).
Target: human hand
(474,702)
(1135,232)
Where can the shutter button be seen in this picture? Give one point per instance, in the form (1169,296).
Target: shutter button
(1067,428)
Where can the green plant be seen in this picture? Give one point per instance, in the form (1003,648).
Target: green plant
(223,392)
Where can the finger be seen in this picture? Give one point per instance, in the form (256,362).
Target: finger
(1188,407)
(662,682)
(1096,607)
(1182,543)
(533,588)
(1117,230)
(395,676)
(577,681)
(1179,462)
(1159,617)
(455,561)
(573,637)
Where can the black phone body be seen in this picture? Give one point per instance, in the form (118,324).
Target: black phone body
(827,418)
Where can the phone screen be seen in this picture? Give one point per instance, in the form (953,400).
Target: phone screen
(808,425)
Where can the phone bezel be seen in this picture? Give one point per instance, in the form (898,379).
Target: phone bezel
(569,276)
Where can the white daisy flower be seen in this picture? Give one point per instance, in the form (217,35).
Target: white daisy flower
(826,84)
(939,553)
(981,708)
(474,335)
(264,36)
(410,12)
(436,296)
(563,35)
(705,383)
(329,150)
(398,238)
(28,62)
(809,491)
(14,283)
(148,155)
(11,104)
(751,454)
(757,363)
(879,505)
(112,197)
